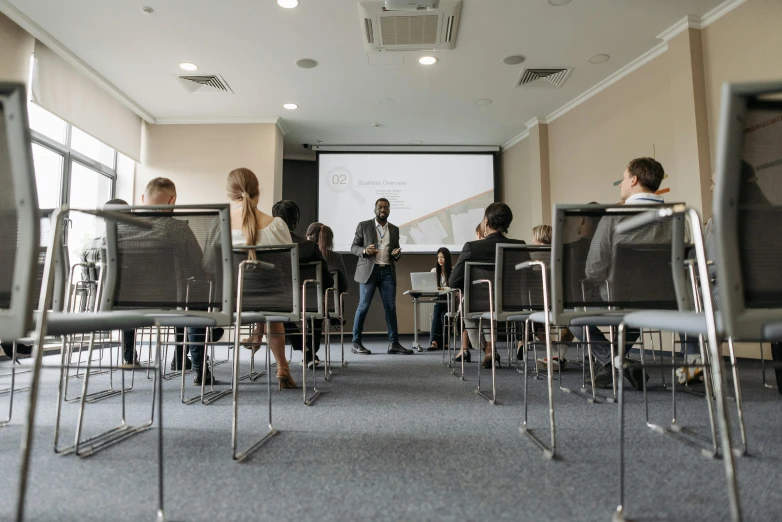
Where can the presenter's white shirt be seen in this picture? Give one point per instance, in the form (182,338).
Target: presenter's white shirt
(384,239)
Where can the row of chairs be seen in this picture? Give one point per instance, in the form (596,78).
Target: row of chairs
(163,268)
(657,276)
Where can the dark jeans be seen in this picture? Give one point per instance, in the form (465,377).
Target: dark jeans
(776,355)
(438,319)
(601,348)
(382,279)
(195,335)
(293,334)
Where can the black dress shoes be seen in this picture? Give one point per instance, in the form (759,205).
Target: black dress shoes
(207,379)
(359,348)
(397,349)
(176,365)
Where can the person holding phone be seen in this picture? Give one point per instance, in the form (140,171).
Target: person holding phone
(376,245)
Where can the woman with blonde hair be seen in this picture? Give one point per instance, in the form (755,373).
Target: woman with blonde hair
(250,226)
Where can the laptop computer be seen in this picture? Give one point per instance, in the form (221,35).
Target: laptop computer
(423,281)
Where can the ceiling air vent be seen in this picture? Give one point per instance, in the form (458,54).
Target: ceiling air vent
(551,77)
(205,84)
(432,27)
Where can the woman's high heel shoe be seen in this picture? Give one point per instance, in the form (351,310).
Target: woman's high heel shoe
(286,382)
(252,343)
(465,354)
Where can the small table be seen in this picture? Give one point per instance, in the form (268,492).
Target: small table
(416,295)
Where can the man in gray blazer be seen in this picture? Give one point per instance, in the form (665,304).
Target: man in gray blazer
(377,246)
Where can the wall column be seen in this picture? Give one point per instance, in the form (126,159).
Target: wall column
(539,185)
(692,174)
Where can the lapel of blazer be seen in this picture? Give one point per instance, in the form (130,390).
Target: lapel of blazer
(373,232)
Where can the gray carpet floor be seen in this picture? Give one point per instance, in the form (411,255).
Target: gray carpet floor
(393,438)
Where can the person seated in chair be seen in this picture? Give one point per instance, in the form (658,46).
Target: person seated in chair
(496,220)
(443,270)
(309,252)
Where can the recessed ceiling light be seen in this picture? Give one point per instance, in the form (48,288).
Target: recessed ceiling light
(147,10)
(483,101)
(288,4)
(290,106)
(514,59)
(599,58)
(558,3)
(187,66)
(375,125)
(307,63)
(427,60)
(416,142)
(387,101)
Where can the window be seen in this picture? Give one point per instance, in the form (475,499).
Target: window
(73,168)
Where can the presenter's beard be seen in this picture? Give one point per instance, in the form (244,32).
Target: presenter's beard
(381,218)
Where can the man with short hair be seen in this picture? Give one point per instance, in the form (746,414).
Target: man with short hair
(640,181)
(376,244)
(189,265)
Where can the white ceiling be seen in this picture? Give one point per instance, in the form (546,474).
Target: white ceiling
(254,45)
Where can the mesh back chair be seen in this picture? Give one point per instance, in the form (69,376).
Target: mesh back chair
(510,290)
(335,316)
(312,303)
(478,300)
(20,234)
(172,269)
(267,291)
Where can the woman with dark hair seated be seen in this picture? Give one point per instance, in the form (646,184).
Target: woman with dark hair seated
(443,271)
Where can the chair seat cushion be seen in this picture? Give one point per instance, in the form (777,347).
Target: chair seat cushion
(690,323)
(60,323)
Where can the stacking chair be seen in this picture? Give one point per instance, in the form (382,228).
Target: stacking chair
(509,298)
(19,237)
(267,291)
(477,302)
(747,215)
(334,312)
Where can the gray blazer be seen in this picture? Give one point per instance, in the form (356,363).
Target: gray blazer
(366,234)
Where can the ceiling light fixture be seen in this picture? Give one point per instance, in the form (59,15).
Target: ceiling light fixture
(427,60)
(599,58)
(514,59)
(559,3)
(307,63)
(187,66)
(483,101)
(288,4)
(290,106)
(147,10)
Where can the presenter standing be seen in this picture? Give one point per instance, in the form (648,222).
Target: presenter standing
(377,247)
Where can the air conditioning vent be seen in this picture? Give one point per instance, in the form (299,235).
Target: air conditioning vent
(550,77)
(409,30)
(205,84)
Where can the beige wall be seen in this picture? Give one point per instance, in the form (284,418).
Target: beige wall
(745,45)
(16,46)
(198,159)
(590,146)
(515,189)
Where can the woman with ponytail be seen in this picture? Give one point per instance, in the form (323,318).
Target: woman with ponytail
(250,226)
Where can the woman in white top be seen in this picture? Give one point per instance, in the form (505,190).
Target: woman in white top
(250,226)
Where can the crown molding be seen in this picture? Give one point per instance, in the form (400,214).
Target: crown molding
(688,22)
(535,121)
(639,62)
(26,23)
(283,127)
(215,121)
(516,139)
(720,11)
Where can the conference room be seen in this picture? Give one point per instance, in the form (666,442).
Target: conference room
(390,259)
